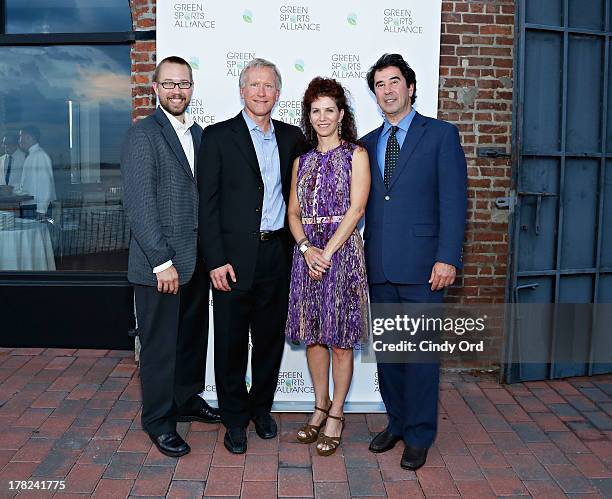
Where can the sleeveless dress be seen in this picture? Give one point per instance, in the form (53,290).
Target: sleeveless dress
(333,311)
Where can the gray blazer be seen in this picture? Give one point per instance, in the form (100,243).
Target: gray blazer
(160,199)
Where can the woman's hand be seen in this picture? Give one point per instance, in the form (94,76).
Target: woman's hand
(316,261)
(327,255)
(317,276)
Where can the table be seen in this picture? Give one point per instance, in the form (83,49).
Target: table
(26,247)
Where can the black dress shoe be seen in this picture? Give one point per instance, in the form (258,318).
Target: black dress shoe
(204,414)
(265,426)
(235,440)
(383,442)
(171,444)
(413,458)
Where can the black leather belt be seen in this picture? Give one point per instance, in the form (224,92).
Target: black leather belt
(266,235)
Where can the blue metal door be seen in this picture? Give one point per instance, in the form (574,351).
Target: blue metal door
(561,230)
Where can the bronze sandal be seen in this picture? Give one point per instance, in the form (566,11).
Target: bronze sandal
(331,442)
(311,431)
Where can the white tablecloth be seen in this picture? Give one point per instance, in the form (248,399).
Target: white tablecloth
(26,247)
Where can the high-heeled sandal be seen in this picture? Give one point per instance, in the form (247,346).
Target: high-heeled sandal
(332,443)
(311,431)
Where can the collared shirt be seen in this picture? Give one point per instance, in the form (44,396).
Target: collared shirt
(37,178)
(273,209)
(17,159)
(183,132)
(400,135)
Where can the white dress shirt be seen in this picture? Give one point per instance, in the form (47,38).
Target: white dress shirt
(17,159)
(183,132)
(37,178)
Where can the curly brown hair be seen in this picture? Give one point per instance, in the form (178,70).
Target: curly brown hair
(328,87)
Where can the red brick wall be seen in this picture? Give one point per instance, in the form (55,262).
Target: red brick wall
(143,59)
(475,93)
(476,71)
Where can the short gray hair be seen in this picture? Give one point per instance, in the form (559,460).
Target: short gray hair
(260,63)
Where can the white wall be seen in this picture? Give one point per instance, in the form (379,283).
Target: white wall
(339,39)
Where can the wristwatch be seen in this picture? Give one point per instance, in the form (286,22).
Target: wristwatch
(304,246)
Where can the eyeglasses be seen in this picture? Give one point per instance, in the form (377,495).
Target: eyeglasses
(170,85)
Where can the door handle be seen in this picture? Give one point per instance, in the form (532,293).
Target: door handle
(538,196)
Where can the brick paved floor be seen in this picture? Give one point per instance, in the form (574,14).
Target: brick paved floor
(73,415)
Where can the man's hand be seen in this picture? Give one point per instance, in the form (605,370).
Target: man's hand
(442,275)
(168,281)
(218,277)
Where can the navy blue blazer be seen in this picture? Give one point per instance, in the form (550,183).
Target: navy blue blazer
(420,219)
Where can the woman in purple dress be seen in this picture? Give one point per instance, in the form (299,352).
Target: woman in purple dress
(328,300)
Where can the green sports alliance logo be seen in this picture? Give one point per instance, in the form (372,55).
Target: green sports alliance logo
(194,62)
(351,18)
(293,382)
(247,16)
(299,65)
(290,111)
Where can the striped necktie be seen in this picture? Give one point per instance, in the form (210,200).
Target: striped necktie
(391,155)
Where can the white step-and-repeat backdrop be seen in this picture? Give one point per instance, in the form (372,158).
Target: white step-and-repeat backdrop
(339,39)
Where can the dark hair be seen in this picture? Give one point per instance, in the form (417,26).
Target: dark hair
(397,61)
(32,131)
(328,87)
(174,59)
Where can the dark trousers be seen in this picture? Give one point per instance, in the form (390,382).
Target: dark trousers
(263,308)
(409,390)
(173,332)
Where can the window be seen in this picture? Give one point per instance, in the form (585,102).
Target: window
(70,108)
(64,112)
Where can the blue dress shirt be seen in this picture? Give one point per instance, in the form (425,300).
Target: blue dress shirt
(400,135)
(273,209)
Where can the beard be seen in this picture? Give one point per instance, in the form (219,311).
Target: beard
(173,107)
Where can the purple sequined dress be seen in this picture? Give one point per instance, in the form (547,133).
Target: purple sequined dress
(333,311)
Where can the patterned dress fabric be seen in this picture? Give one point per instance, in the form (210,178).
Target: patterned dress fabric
(333,311)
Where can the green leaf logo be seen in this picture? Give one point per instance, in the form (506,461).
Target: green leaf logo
(247,16)
(299,65)
(194,62)
(352,19)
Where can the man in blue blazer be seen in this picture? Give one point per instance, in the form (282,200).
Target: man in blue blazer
(415,219)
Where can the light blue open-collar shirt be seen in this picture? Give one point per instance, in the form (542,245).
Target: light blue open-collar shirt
(400,135)
(273,210)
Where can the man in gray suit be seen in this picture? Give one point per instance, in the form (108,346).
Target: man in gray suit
(158,165)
